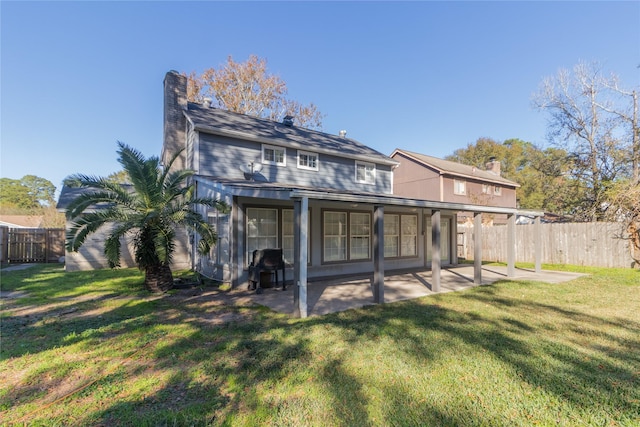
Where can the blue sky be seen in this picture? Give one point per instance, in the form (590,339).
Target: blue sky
(429,77)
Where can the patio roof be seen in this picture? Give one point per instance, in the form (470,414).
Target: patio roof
(279,191)
(301,196)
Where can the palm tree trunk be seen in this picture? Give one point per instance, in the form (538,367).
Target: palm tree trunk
(158,278)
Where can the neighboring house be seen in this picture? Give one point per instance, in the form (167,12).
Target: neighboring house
(277,177)
(91,254)
(426,177)
(21,221)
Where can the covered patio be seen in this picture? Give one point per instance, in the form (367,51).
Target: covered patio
(340,294)
(381,278)
(379,282)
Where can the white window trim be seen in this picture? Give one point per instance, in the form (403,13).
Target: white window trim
(274,148)
(365,164)
(308,154)
(401,237)
(344,234)
(456,189)
(246,233)
(497,190)
(413,238)
(352,235)
(396,237)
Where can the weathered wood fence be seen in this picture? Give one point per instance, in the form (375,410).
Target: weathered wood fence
(27,245)
(596,244)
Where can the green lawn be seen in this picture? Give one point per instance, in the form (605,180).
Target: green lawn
(91,348)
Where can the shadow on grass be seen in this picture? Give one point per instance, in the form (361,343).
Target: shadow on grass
(268,369)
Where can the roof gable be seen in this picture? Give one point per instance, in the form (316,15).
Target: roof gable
(447,167)
(241,126)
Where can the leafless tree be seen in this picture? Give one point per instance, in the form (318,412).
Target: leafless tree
(586,119)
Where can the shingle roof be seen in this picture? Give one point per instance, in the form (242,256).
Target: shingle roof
(217,121)
(21,221)
(457,169)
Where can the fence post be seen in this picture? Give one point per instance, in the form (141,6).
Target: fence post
(477,248)
(538,245)
(4,243)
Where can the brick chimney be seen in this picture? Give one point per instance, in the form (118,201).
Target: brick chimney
(493,166)
(175,102)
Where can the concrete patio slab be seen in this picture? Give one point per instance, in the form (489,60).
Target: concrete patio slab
(329,296)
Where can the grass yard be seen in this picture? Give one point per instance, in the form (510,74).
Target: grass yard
(92,348)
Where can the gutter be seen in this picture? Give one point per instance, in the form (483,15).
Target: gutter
(389,200)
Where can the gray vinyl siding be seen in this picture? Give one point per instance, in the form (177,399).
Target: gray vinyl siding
(192,146)
(222,157)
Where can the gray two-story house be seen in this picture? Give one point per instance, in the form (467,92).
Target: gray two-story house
(259,167)
(325,199)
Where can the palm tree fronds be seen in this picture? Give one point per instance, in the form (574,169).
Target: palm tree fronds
(157,202)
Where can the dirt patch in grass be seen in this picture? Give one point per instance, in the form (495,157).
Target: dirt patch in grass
(210,305)
(213,306)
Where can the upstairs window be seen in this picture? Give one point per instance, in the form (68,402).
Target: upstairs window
(274,155)
(365,173)
(307,160)
(459,187)
(497,190)
(485,188)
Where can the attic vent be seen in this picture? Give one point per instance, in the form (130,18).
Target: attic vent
(287,121)
(207,102)
(343,133)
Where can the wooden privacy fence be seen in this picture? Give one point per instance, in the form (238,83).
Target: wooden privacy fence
(596,244)
(26,245)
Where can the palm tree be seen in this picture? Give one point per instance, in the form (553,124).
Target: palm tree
(150,209)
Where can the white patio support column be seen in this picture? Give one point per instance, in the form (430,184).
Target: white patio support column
(538,244)
(511,245)
(378,254)
(300,245)
(477,248)
(435,250)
